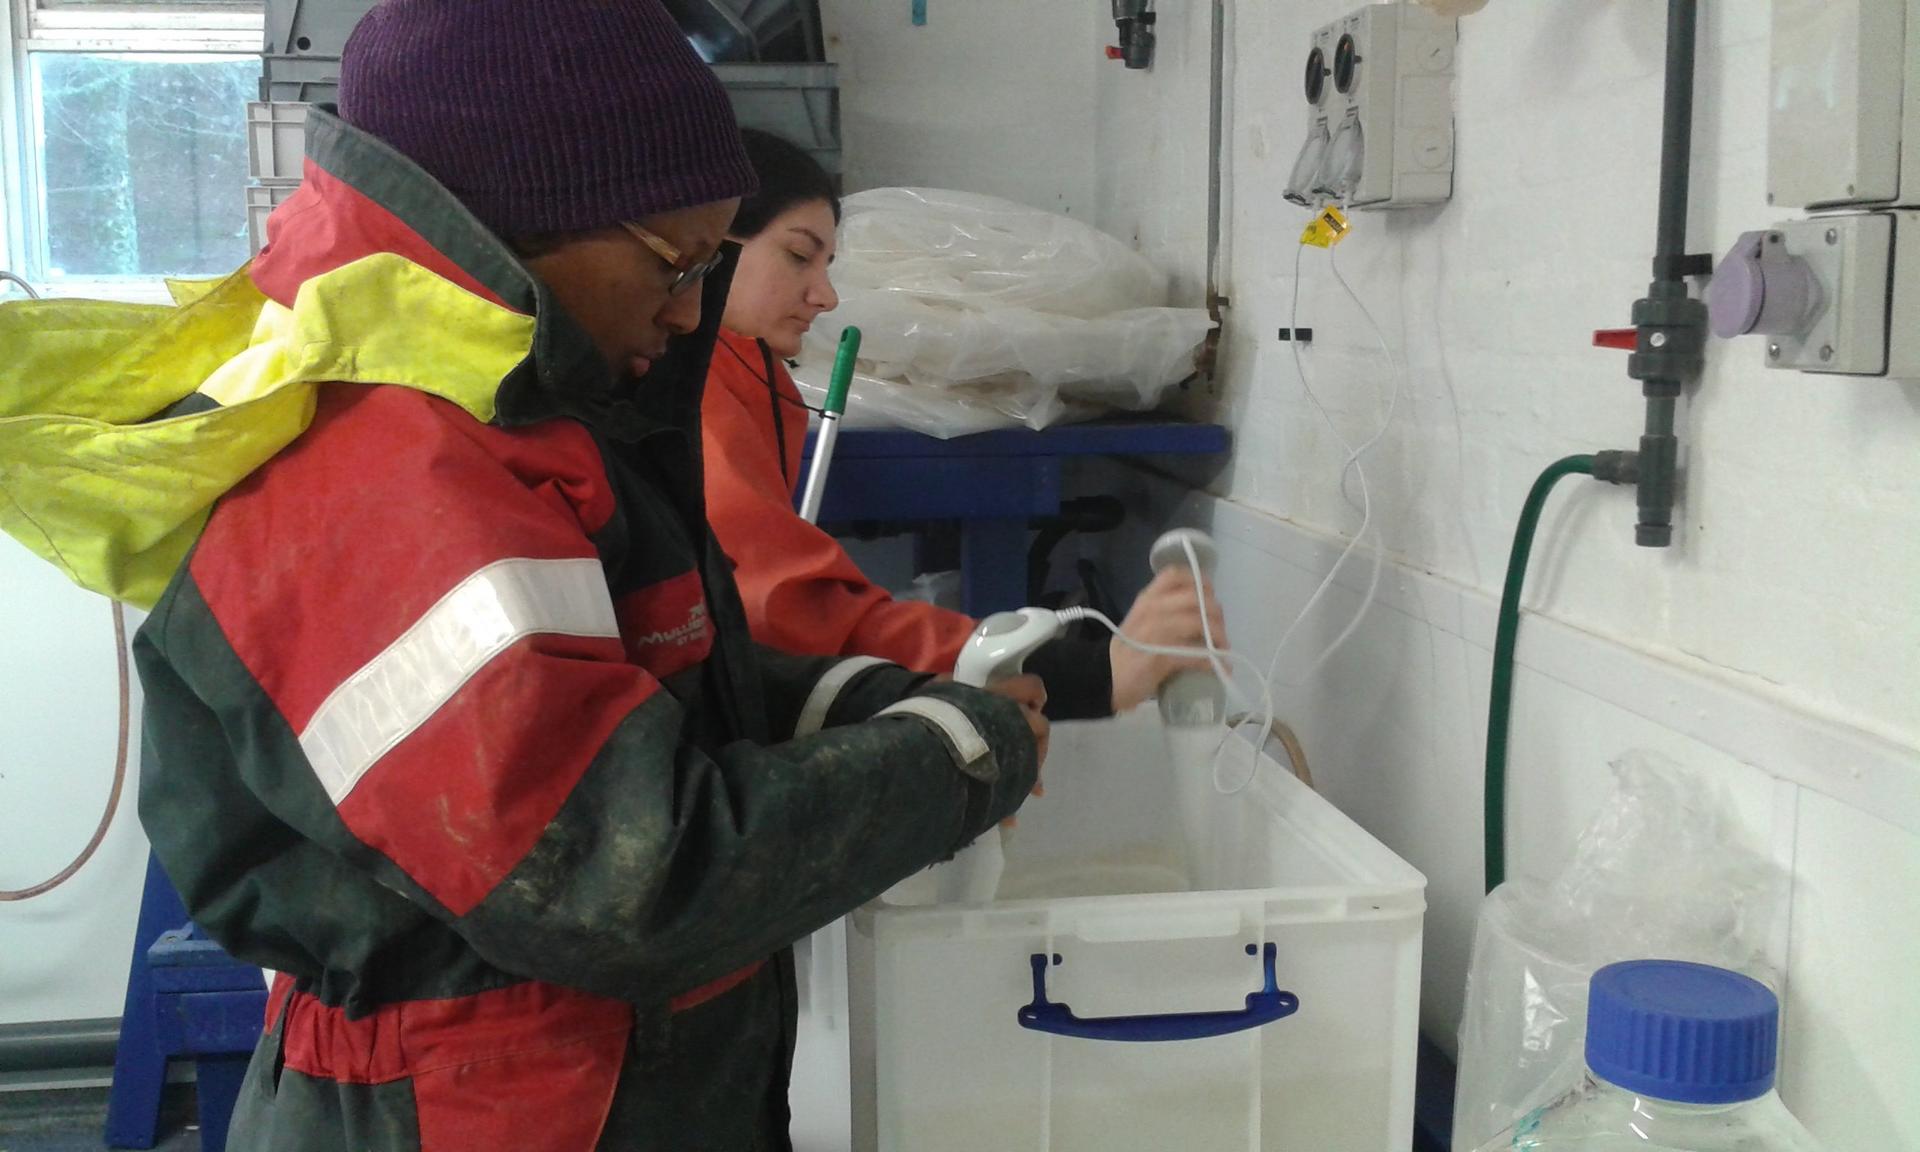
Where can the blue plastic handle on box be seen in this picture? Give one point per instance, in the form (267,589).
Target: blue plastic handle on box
(1263,1008)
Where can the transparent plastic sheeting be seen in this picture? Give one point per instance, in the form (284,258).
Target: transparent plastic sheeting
(1660,873)
(978,313)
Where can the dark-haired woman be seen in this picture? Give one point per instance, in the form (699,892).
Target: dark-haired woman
(802,592)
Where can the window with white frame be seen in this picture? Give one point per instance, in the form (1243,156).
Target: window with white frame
(127,140)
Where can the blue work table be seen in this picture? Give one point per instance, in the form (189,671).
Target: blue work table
(186,1000)
(991,483)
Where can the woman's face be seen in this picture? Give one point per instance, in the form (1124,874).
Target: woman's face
(616,287)
(781,284)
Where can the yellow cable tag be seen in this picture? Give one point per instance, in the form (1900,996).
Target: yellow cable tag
(1328,228)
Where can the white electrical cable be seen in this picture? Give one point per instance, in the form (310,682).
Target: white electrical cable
(1351,464)
(1178,652)
(1266,683)
(1217,657)
(1206,625)
(1213,654)
(1393,405)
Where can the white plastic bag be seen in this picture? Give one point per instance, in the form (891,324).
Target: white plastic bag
(981,251)
(1659,874)
(942,411)
(979,313)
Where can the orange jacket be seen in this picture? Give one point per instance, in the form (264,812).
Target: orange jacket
(803,593)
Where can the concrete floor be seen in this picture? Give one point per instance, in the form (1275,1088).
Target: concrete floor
(74,1120)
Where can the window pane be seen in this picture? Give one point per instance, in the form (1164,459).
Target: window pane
(144,160)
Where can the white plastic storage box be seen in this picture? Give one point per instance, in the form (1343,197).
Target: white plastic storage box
(276,141)
(300,79)
(317,27)
(1148,904)
(800,102)
(262,199)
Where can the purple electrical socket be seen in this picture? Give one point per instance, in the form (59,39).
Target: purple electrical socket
(1759,287)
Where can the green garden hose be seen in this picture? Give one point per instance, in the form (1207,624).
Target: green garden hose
(1500,701)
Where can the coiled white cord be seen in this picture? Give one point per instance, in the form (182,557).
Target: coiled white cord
(1222,660)
(1219,658)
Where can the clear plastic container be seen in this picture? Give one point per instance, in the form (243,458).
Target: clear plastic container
(1680,1059)
(1163,936)
(1600,1117)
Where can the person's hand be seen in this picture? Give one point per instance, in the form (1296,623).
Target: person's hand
(1166,613)
(1031,695)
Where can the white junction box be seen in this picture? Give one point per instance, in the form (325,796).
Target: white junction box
(1117,997)
(1843,124)
(1379,90)
(1836,294)
(1852,261)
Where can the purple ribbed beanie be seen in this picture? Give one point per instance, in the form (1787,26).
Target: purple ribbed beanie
(546,115)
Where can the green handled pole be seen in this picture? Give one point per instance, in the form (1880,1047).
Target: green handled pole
(816,489)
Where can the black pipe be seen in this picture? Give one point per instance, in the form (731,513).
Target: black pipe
(1676,136)
(1670,348)
(1216,94)
(1135,20)
(1659,464)
(60,1046)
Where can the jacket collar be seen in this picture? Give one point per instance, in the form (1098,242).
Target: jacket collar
(359,197)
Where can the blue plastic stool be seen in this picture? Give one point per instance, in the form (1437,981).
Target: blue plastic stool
(186,998)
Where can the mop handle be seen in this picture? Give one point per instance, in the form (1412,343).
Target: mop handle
(836,404)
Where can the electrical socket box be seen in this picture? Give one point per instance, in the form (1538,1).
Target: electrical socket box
(1843,123)
(1384,98)
(1865,319)
(1309,169)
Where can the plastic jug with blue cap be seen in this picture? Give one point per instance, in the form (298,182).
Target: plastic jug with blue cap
(1680,1058)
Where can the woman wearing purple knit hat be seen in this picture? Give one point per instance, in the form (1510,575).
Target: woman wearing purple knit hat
(452,716)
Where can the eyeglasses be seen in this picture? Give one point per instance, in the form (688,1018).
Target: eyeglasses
(687,272)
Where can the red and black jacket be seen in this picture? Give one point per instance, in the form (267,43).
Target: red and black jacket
(457,726)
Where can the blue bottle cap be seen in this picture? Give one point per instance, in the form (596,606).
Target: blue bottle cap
(1688,1033)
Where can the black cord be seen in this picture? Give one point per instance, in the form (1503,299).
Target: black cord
(779,418)
(774,399)
(768,381)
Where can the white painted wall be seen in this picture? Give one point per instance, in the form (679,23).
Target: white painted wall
(1775,645)
(1803,495)
(991,96)
(63,956)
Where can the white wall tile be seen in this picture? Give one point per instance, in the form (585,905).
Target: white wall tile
(1852,1067)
